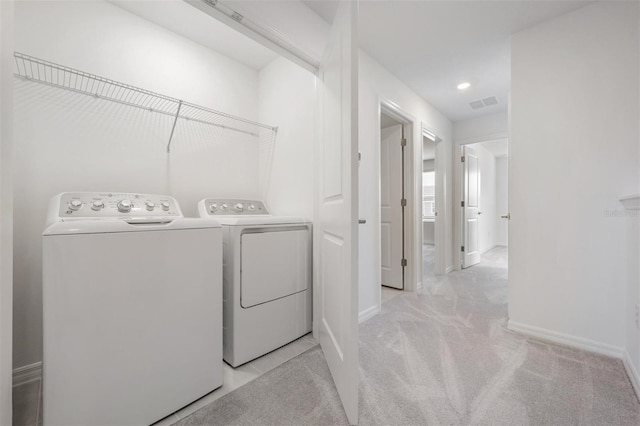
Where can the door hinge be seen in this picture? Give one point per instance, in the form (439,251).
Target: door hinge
(403,202)
(462,158)
(403,262)
(461,203)
(403,142)
(462,249)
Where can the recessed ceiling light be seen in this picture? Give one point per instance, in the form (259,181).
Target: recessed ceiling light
(464,85)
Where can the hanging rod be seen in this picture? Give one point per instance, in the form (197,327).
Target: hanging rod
(51,74)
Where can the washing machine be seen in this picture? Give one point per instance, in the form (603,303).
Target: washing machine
(132,309)
(267,282)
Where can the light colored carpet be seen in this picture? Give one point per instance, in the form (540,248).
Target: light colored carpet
(442,357)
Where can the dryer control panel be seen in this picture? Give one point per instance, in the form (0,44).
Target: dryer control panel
(232,206)
(112,205)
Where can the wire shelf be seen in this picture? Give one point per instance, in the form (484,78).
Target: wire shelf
(63,77)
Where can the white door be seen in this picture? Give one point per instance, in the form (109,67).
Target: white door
(390,208)
(335,313)
(471,208)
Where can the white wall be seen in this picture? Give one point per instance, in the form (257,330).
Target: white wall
(6,210)
(485,128)
(502,200)
(288,99)
(377,84)
(70,142)
(574,151)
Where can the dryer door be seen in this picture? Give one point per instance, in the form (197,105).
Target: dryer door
(274,263)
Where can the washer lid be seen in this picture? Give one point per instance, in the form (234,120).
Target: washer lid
(79,227)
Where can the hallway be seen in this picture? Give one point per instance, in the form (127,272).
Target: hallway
(444,356)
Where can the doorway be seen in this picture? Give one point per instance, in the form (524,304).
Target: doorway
(484,204)
(429,208)
(393,201)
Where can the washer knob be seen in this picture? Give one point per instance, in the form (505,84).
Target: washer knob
(224,207)
(239,207)
(150,205)
(75,205)
(97,205)
(251,207)
(213,208)
(165,205)
(124,206)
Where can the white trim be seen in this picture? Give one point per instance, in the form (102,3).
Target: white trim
(368,313)
(565,339)
(27,374)
(449,269)
(419,286)
(483,138)
(634,377)
(488,249)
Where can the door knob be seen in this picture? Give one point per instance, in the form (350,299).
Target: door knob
(506,216)
(362,221)
(479,213)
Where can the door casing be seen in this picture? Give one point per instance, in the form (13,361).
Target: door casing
(412,244)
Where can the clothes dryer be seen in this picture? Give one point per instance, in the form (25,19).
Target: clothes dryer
(132,309)
(267,282)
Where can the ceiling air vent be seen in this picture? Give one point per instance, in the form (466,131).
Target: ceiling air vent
(476,104)
(490,101)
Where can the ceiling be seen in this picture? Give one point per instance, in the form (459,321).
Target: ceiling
(187,21)
(432,46)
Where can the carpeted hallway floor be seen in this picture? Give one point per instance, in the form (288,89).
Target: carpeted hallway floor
(443,357)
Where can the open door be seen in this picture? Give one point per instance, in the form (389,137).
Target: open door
(391,209)
(335,313)
(471,208)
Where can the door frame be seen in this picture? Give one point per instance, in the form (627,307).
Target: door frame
(441,205)
(402,220)
(458,191)
(6,210)
(413,191)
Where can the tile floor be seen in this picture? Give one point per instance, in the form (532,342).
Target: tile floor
(27,398)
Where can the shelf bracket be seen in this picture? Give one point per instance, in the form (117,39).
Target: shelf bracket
(175,121)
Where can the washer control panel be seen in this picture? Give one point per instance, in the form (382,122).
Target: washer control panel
(93,205)
(235,207)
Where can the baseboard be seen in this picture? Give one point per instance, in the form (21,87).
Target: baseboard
(488,249)
(368,313)
(632,373)
(28,373)
(449,269)
(419,286)
(566,339)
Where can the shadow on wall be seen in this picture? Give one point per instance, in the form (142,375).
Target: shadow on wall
(66,141)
